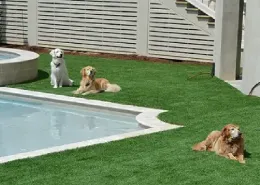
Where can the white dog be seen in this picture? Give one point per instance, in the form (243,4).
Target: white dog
(59,72)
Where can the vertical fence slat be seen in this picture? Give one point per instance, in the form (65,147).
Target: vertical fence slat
(142,27)
(32,23)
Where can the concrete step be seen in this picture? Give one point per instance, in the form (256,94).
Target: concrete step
(181,2)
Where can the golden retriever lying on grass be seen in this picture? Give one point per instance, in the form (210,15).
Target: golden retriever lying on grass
(228,143)
(91,85)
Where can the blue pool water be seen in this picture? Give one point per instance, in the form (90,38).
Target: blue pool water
(7,55)
(28,125)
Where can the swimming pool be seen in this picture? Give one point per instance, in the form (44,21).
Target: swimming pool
(7,55)
(28,125)
(136,121)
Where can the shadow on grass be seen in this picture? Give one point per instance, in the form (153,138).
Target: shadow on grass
(41,76)
(199,76)
(247,154)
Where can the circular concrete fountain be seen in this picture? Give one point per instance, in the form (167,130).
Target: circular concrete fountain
(17,66)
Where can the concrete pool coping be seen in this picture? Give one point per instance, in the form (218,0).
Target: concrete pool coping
(146,117)
(23,55)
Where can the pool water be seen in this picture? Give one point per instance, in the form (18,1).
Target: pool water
(7,55)
(28,125)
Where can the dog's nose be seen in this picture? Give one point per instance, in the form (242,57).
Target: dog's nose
(240,133)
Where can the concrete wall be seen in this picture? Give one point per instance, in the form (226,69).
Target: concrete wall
(251,67)
(228,36)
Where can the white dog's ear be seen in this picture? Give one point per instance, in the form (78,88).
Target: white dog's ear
(52,53)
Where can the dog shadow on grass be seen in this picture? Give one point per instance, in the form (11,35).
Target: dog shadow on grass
(42,75)
(247,154)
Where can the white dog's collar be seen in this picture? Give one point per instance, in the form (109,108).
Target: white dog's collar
(57,65)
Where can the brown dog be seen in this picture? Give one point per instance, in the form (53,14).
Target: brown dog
(228,143)
(90,85)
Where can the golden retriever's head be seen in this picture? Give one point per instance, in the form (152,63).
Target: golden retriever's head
(231,132)
(88,71)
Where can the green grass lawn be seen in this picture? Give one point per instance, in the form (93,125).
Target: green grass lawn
(201,105)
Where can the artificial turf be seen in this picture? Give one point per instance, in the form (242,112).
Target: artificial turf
(202,104)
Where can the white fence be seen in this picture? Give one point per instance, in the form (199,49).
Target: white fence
(14,21)
(144,27)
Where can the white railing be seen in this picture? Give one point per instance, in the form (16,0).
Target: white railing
(209,6)
(206,6)
(210,3)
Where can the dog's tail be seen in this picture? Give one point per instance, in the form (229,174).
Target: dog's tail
(113,88)
(200,146)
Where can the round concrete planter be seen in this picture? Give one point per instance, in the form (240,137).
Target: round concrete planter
(23,67)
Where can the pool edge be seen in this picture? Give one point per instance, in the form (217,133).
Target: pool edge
(147,117)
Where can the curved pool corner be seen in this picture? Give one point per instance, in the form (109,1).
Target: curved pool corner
(23,67)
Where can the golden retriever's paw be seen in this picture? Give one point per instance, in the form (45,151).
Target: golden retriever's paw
(242,162)
(86,93)
(231,156)
(75,92)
